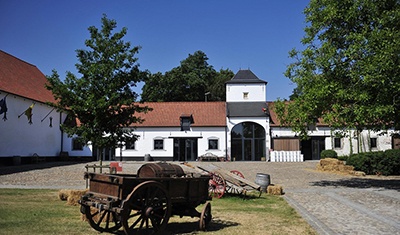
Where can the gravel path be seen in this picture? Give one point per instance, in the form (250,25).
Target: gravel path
(331,203)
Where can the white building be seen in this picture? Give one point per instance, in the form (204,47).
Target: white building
(244,128)
(30,129)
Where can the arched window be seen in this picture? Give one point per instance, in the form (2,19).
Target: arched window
(247,142)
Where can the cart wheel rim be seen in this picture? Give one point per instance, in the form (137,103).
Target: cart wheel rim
(238,173)
(102,221)
(205,217)
(216,185)
(147,209)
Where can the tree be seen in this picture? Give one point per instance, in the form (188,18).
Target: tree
(349,72)
(102,99)
(188,82)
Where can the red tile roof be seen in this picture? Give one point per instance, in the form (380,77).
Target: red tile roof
(23,79)
(167,114)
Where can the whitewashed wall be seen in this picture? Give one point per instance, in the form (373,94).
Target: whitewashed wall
(384,141)
(68,147)
(144,145)
(19,138)
(256,92)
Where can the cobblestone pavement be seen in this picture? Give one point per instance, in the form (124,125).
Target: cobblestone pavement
(331,203)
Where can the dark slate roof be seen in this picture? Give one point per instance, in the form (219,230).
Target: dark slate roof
(245,76)
(247,109)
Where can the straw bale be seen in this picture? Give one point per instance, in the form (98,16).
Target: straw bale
(74,196)
(63,194)
(334,165)
(274,189)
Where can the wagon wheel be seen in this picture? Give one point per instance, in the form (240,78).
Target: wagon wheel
(102,221)
(216,185)
(234,188)
(205,217)
(147,209)
(238,173)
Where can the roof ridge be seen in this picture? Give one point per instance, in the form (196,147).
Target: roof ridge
(19,59)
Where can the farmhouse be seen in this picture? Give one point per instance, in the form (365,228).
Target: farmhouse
(244,128)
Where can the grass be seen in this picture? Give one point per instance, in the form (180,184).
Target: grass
(31,211)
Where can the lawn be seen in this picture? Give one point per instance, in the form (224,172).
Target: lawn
(33,211)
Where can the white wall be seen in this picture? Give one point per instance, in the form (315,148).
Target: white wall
(68,147)
(144,145)
(19,138)
(384,141)
(256,92)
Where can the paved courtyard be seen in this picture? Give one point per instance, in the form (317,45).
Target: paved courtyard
(331,203)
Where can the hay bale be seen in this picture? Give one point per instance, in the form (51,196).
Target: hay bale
(334,165)
(63,194)
(274,189)
(71,196)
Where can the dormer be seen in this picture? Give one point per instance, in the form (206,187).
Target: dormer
(245,86)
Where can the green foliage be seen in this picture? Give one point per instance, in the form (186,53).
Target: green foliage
(102,99)
(188,82)
(328,153)
(348,73)
(385,163)
(343,158)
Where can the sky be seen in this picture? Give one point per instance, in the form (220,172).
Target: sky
(252,34)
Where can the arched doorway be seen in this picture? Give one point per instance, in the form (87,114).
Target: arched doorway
(247,142)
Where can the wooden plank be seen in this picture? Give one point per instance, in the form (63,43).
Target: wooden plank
(230,177)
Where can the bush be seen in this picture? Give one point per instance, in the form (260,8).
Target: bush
(328,153)
(385,163)
(343,158)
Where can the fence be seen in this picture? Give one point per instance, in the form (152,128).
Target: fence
(286,156)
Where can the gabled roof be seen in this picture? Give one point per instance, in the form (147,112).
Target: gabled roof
(23,79)
(245,76)
(167,114)
(247,109)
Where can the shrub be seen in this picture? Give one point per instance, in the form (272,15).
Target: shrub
(328,153)
(343,158)
(385,163)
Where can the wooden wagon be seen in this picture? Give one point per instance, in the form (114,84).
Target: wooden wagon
(143,203)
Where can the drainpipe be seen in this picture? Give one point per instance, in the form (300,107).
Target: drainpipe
(62,134)
(226,143)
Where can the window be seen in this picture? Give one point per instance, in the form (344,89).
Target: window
(186,121)
(77,144)
(130,145)
(374,143)
(245,95)
(337,143)
(158,144)
(213,144)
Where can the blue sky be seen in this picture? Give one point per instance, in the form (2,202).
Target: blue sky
(253,34)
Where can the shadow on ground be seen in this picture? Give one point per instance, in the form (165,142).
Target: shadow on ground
(190,228)
(361,183)
(6,170)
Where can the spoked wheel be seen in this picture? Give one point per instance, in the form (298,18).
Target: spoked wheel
(238,173)
(216,185)
(147,209)
(102,221)
(231,188)
(205,217)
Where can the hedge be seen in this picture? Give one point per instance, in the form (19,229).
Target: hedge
(328,153)
(384,163)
